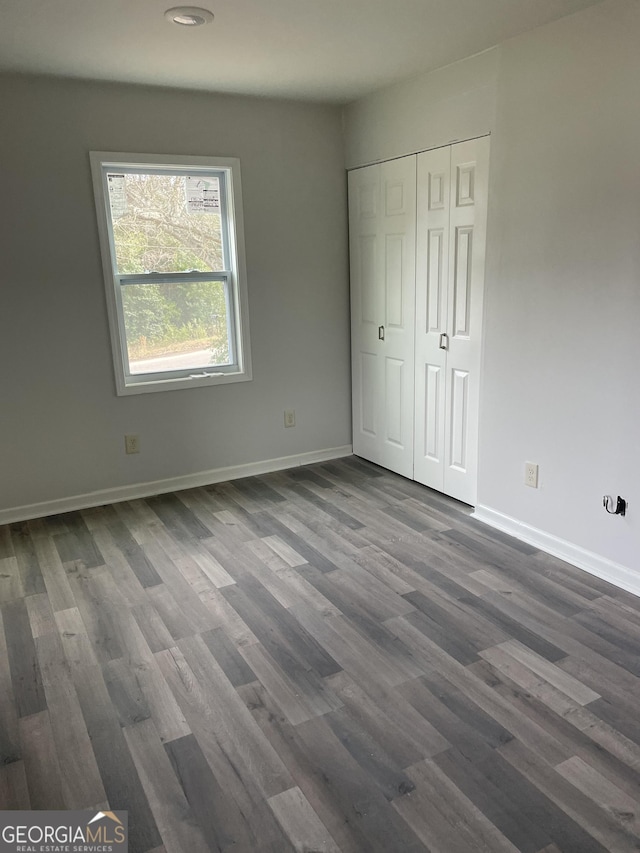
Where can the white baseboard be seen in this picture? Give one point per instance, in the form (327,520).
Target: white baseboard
(173,484)
(602,568)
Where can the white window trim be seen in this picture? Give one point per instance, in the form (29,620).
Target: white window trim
(130,384)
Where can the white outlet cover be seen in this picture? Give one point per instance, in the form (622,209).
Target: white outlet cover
(531,475)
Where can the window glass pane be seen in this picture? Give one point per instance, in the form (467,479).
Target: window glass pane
(176,326)
(165,223)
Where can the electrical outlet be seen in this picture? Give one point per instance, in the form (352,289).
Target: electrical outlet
(531,474)
(289,418)
(132,444)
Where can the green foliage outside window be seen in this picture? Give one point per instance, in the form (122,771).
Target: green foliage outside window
(157,233)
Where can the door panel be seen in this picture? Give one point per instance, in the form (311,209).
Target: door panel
(366,274)
(433,448)
(432,274)
(435,285)
(398,227)
(394,382)
(394,280)
(458,420)
(462,282)
(382,228)
(367,305)
(368,394)
(452,201)
(468,222)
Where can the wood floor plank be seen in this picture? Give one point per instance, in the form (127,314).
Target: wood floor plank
(362,612)
(82,785)
(125,693)
(224,754)
(178,518)
(75,640)
(119,566)
(14,790)
(301,659)
(515,629)
(230,660)
(503,806)
(117,770)
(603,792)
(360,798)
(41,615)
(509,775)
(10,580)
(282,549)
(323,506)
(352,584)
(272,572)
(371,757)
(316,788)
(6,542)
(288,698)
(185,596)
(168,719)
(302,825)
(175,619)
(205,710)
(41,762)
(458,619)
(98,619)
(261,612)
(614,758)
(444,818)
(224,616)
(590,828)
(133,553)
(10,750)
(154,629)
(514,669)
(328,536)
(77,542)
(479,691)
(23,663)
(53,573)
(261,488)
(389,571)
(208,565)
(167,800)
(453,714)
(28,565)
(237,728)
(400,731)
(555,676)
(223,825)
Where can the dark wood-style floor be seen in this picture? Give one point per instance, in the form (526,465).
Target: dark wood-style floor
(330,658)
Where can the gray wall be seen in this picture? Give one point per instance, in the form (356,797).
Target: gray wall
(61,424)
(448,105)
(561,355)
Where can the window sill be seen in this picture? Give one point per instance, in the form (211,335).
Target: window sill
(196,381)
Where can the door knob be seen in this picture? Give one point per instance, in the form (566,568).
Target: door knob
(380,333)
(444,341)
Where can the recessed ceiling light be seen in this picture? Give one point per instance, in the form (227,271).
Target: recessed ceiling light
(188,16)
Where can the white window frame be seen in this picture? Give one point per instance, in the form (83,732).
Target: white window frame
(234,276)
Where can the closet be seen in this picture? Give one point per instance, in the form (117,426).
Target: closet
(417,244)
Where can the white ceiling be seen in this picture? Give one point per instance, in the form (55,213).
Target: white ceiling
(327,50)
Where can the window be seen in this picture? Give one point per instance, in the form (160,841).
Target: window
(173,256)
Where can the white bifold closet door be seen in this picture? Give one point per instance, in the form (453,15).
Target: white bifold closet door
(382,222)
(450,256)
